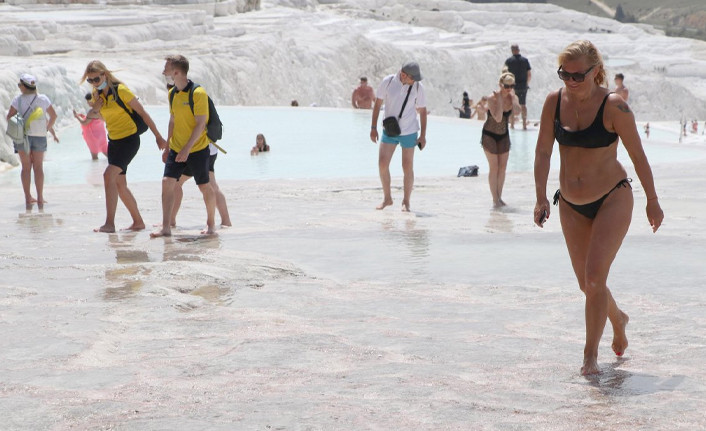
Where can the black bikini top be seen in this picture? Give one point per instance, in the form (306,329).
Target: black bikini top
(594,136)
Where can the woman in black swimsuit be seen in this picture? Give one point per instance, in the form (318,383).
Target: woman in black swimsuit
(495,139)
(594,196)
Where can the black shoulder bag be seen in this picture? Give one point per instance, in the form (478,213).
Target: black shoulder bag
(136,118)
(390,124)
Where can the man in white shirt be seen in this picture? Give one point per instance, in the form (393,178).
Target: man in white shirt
(403,96)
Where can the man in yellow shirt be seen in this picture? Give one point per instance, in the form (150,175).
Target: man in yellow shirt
(188,143)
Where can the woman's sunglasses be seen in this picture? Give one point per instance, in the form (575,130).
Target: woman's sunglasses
(576,76)
(508,86)
(95,80)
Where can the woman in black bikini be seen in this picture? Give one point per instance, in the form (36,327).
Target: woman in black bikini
(595,197)
(495,139)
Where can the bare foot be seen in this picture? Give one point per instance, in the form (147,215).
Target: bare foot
(620,340)
(134,227)
(385,203)
(107,228)
(226,223)
(210,230)
(405,207)
(161,233)
(502,203)
(30,200)
(590,367)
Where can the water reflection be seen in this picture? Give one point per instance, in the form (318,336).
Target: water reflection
(185,247)
(615,382)
(37,221)
(415,239)
(499,221)
(127,278)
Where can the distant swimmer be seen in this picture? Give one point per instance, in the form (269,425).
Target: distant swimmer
(189,146)
(495,137)
(34,108)
(481,108)
(620,89)
(465,110)
(260,145)
(116,104)
(647,130)
(93,130)
(403,96)
(363,96)
(595,197)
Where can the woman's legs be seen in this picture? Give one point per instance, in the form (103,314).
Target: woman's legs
(26,176)
(593,245)
(38,168)
(493,172)
(130,203)
(502,168)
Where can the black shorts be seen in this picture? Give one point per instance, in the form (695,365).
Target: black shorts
(197,162)
(122,151)
(211,164)
(521,94)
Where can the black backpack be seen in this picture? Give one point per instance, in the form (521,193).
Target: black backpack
(136,118)
(214,127)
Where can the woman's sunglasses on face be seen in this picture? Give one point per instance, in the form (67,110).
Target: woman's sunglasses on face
(576,76)
(95,80)
(508,86)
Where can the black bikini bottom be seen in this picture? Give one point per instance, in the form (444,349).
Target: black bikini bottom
(591,209)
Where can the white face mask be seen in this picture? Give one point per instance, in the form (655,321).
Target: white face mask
(102,86)
(169,79)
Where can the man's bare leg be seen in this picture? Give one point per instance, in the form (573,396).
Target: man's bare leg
(168,191)
(209,198)
(408,170)
(178,196)
(384,158)
(221,203)
(524,116)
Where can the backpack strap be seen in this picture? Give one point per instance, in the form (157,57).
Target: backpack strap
(172,92)
(191,97)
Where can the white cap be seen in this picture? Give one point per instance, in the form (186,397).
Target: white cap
(28,80)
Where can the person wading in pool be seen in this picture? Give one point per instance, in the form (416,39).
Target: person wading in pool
(403,96)
(594,197)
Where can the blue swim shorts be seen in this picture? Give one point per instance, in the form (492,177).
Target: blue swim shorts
(406,141)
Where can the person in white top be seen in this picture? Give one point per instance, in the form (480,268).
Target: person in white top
(403,97)
(34,109)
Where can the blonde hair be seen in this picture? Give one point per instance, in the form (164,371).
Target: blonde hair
(97,66)
(585,49)
(507,78)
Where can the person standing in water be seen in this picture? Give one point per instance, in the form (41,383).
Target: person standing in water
(495,137)
(34,109)
(403,97)
(594,197)
(123,139)
(93,130)
(188,144)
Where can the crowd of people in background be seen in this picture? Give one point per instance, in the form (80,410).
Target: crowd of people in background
(587,120)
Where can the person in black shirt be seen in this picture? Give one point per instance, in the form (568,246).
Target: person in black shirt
(520,67)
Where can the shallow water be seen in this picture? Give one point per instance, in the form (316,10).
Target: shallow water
(317,312)
(322,143)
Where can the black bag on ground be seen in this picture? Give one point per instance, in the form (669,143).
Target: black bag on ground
(390,124)
(468,171)
(137,118)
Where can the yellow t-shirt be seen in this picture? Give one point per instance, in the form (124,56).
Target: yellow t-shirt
(117,121)
(185,121)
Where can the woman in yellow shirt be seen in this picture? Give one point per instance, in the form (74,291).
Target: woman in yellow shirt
(123,139)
